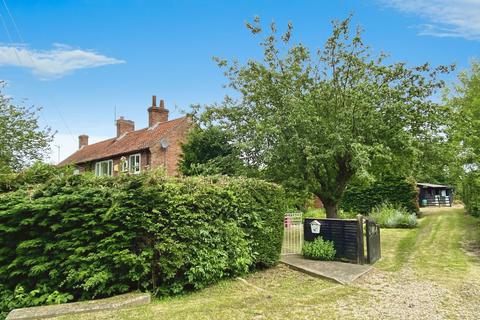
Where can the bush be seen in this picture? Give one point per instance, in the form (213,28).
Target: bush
(471,193)
(18,298)
(390,216)
(319,249)
(398,191)
(87,237)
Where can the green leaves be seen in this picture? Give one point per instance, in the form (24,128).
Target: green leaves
(319,249)
(21,140)
(209,152)
(84,237)
(395,190)
(315,120)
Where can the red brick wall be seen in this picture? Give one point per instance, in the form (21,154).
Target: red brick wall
(155,156)
(173,152)
(144,162)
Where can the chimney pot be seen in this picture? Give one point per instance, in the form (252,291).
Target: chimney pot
(82,141)
(157,115)
(154,101)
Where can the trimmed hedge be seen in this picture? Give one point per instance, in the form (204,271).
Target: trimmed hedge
(80,237)
(397,191)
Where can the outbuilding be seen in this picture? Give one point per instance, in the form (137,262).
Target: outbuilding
(435,195)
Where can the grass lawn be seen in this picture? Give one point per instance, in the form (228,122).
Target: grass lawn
(432,272)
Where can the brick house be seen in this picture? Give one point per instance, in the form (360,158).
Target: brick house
(135,150)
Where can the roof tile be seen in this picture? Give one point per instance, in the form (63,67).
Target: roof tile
(130,142)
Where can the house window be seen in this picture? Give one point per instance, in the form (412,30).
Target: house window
(104,168)
(124,164)
(134,163)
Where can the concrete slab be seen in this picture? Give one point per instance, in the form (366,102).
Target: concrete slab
(340,272)
(120,301)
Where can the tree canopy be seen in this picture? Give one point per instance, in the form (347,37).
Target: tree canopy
(209,151)
(318,119)
(22,141)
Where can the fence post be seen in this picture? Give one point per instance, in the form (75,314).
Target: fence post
(360,248)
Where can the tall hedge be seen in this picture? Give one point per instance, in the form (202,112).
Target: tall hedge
(80,237)
(396,190)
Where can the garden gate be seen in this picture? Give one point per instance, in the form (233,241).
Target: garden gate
(373,241)
(348,236)
(293,233)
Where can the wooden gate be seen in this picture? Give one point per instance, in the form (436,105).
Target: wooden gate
(373,241)
(348,236)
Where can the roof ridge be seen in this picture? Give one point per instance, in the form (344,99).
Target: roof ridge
(172,128)
(133,141)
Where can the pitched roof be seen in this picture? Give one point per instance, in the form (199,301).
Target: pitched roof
(127,143)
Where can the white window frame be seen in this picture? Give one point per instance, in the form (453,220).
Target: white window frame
(124,165)
(135,163)
(98,168)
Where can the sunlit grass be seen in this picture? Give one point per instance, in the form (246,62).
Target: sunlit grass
(443,249)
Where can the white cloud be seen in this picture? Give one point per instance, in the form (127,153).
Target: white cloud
(446,18)
(54,63)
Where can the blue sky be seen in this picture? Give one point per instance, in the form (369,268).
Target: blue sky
(80,59)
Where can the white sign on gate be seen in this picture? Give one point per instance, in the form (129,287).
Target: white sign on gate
(315,226)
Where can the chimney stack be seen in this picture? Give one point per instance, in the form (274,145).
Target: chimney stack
(82,141)
(124,126)
(157,114)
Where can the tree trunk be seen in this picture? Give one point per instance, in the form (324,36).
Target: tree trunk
(331,208)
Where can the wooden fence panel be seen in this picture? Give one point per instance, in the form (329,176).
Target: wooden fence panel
(345,235)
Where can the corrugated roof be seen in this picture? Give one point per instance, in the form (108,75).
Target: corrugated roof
(130,142)
(431,185)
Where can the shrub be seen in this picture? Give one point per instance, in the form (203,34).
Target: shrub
(19,298)
(398,191)
(86,236)
(390,216)
(315,213)
(319,249)
(471,193)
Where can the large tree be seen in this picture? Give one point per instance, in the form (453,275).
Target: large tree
(22,140)
(320,119)
(464,99)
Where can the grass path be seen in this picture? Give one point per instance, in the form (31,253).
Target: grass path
(432,272)
(427,273)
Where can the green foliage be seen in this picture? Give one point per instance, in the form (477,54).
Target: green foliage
(396,190)
(22,141)
(319,249)
(316,119)
(208,152)
(470,193)
(315,213)
(388,215)
(19,298)
(89,236)
(38,173)
(343,214)
(464,99)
